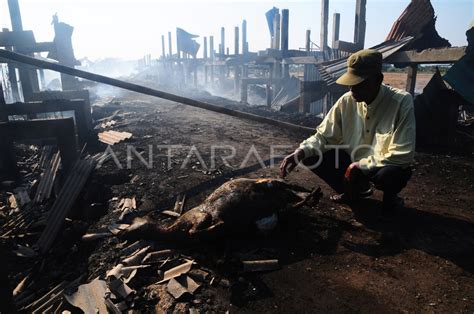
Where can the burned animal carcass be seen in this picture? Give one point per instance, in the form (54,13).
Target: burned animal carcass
(235,207)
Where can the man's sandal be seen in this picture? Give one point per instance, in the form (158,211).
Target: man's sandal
(343,199)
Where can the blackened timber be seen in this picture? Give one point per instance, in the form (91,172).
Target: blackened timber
(411,79)
(163,53)
(147,91)
(439,55)
(336,22)
(170,48)
(346,46)
(61,129)
(285,16)
(359,28)
(80,108)
(324,24)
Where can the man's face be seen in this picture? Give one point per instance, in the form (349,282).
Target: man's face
(366,90)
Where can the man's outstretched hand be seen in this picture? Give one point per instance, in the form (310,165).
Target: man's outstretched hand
(291,161)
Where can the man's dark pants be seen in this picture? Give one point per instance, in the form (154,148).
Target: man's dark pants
(389,179)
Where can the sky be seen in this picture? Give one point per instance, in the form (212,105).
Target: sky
(131,29)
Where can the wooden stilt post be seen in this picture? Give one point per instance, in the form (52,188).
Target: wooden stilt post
(336,21)
(245,47)
(245,69)
(275,72)
(308,50)
(195,71)
(359,29)
(28,77)
(222,57)
(243,91)
(211,54)
(205,60)
(411,79)
(170,47)
(324,26)
(12,76)
(227,70)
(285,15)
(163,53)
(269,86)
(237,67)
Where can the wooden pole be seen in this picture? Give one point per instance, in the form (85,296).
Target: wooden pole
(285,15)
(146,90)
(205,59)
(28,77)
(170,48)
(245,50)
(12,76)
(236,40)
(359,29)
(411,79)
(15,15)
(236,53)
(245,47)
(163,53)
(275,72)
(324,24)
(276,32)
(222,56)
(211,53)
(243,91)
(336,21)
(308,50)
(222,46)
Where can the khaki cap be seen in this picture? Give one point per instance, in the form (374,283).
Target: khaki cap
(360,66)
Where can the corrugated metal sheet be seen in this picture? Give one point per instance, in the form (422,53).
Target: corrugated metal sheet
(48,176)
(113,137)
(331,71)
(418,20)
(67,196)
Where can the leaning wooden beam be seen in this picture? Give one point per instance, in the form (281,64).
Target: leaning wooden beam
(443,55)
(147,91)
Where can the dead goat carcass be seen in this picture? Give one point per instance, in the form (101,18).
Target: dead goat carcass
(235,207)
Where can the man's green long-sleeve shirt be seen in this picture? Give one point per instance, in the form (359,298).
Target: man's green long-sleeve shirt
(379,134)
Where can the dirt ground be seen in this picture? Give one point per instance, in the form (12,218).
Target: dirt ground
(333,258)
(399,79)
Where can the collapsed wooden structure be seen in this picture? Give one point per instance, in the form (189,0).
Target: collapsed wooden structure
(26,107)
(412,41)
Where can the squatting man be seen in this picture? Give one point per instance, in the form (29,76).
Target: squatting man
(375,125)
